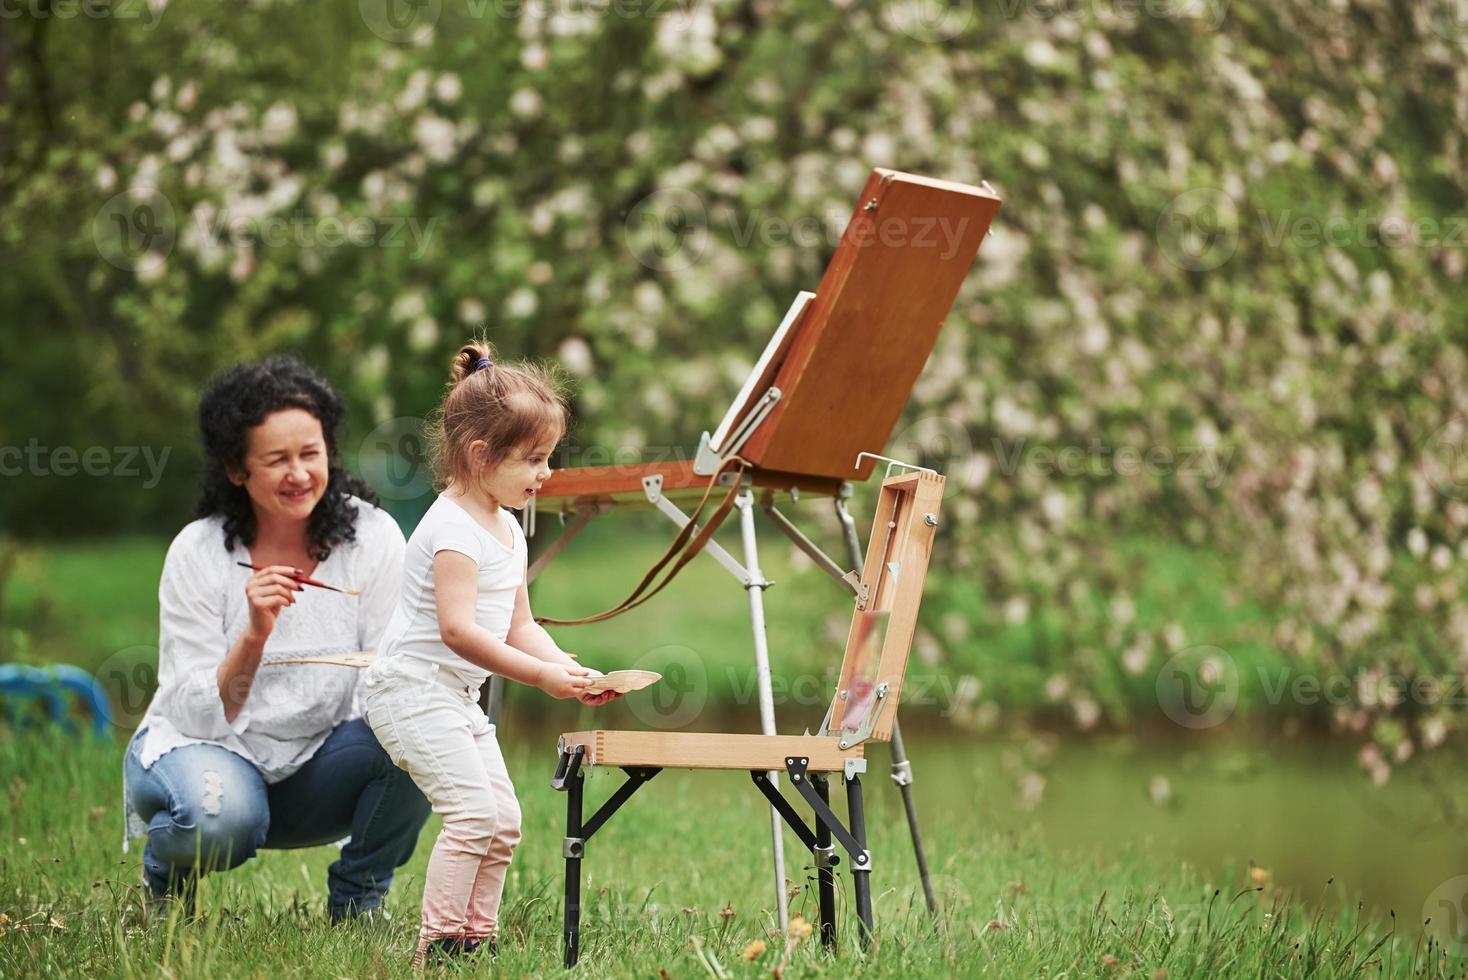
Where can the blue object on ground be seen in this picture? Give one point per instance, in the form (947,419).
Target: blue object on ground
(51,685)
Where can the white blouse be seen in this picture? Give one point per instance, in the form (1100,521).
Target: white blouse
(291,708)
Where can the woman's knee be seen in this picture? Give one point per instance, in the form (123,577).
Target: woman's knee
(211,828)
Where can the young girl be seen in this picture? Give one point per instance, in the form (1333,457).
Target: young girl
(464,614)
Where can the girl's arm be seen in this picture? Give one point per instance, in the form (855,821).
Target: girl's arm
(456,590)
(528,635)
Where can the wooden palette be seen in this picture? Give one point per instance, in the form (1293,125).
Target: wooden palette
(623,681)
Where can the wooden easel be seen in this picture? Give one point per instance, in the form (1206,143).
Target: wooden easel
(826,394)
(863,708)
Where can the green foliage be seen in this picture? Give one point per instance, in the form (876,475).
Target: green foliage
(1202,247)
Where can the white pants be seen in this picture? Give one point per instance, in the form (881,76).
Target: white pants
(430,724)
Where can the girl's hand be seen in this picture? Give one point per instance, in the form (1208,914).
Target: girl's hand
(562,682)
(267,592)
(597,700)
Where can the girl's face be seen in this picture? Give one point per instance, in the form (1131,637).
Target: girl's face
(519,475)
(286,468)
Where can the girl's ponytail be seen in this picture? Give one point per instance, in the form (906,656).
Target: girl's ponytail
(471,358)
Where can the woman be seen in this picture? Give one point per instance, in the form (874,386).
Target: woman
(235,753)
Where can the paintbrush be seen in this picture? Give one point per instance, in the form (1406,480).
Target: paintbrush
(302,579)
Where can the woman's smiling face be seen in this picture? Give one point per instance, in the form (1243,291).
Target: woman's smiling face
(286,467)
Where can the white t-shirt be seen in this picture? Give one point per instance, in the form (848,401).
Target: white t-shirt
(291,709)
(413,629)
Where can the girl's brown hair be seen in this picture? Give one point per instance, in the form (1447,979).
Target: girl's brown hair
(506,405)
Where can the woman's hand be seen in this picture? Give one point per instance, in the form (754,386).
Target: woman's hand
(267,592)
(563,682)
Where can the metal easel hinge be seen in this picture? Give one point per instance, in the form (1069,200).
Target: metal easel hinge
(707,459)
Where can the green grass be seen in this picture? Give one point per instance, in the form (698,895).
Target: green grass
(675,884)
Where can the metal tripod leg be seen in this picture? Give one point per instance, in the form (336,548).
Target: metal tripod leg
(755,586)
(494,699)
(825,858)
(572,848)
(861,876)
(901,768)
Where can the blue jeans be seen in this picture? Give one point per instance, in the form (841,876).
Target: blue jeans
(208,809)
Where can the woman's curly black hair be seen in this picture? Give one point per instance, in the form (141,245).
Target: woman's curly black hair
(240,399)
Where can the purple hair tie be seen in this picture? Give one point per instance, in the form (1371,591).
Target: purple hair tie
(483,363)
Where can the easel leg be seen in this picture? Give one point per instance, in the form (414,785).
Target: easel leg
(755,588)
(494,699)
(901,768)
(573,850)
(861,877)
(902,776)
(825,881)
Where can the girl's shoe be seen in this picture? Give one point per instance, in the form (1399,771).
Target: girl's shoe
(483,947)
(438,952)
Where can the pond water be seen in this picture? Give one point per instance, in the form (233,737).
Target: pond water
(1300,808)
